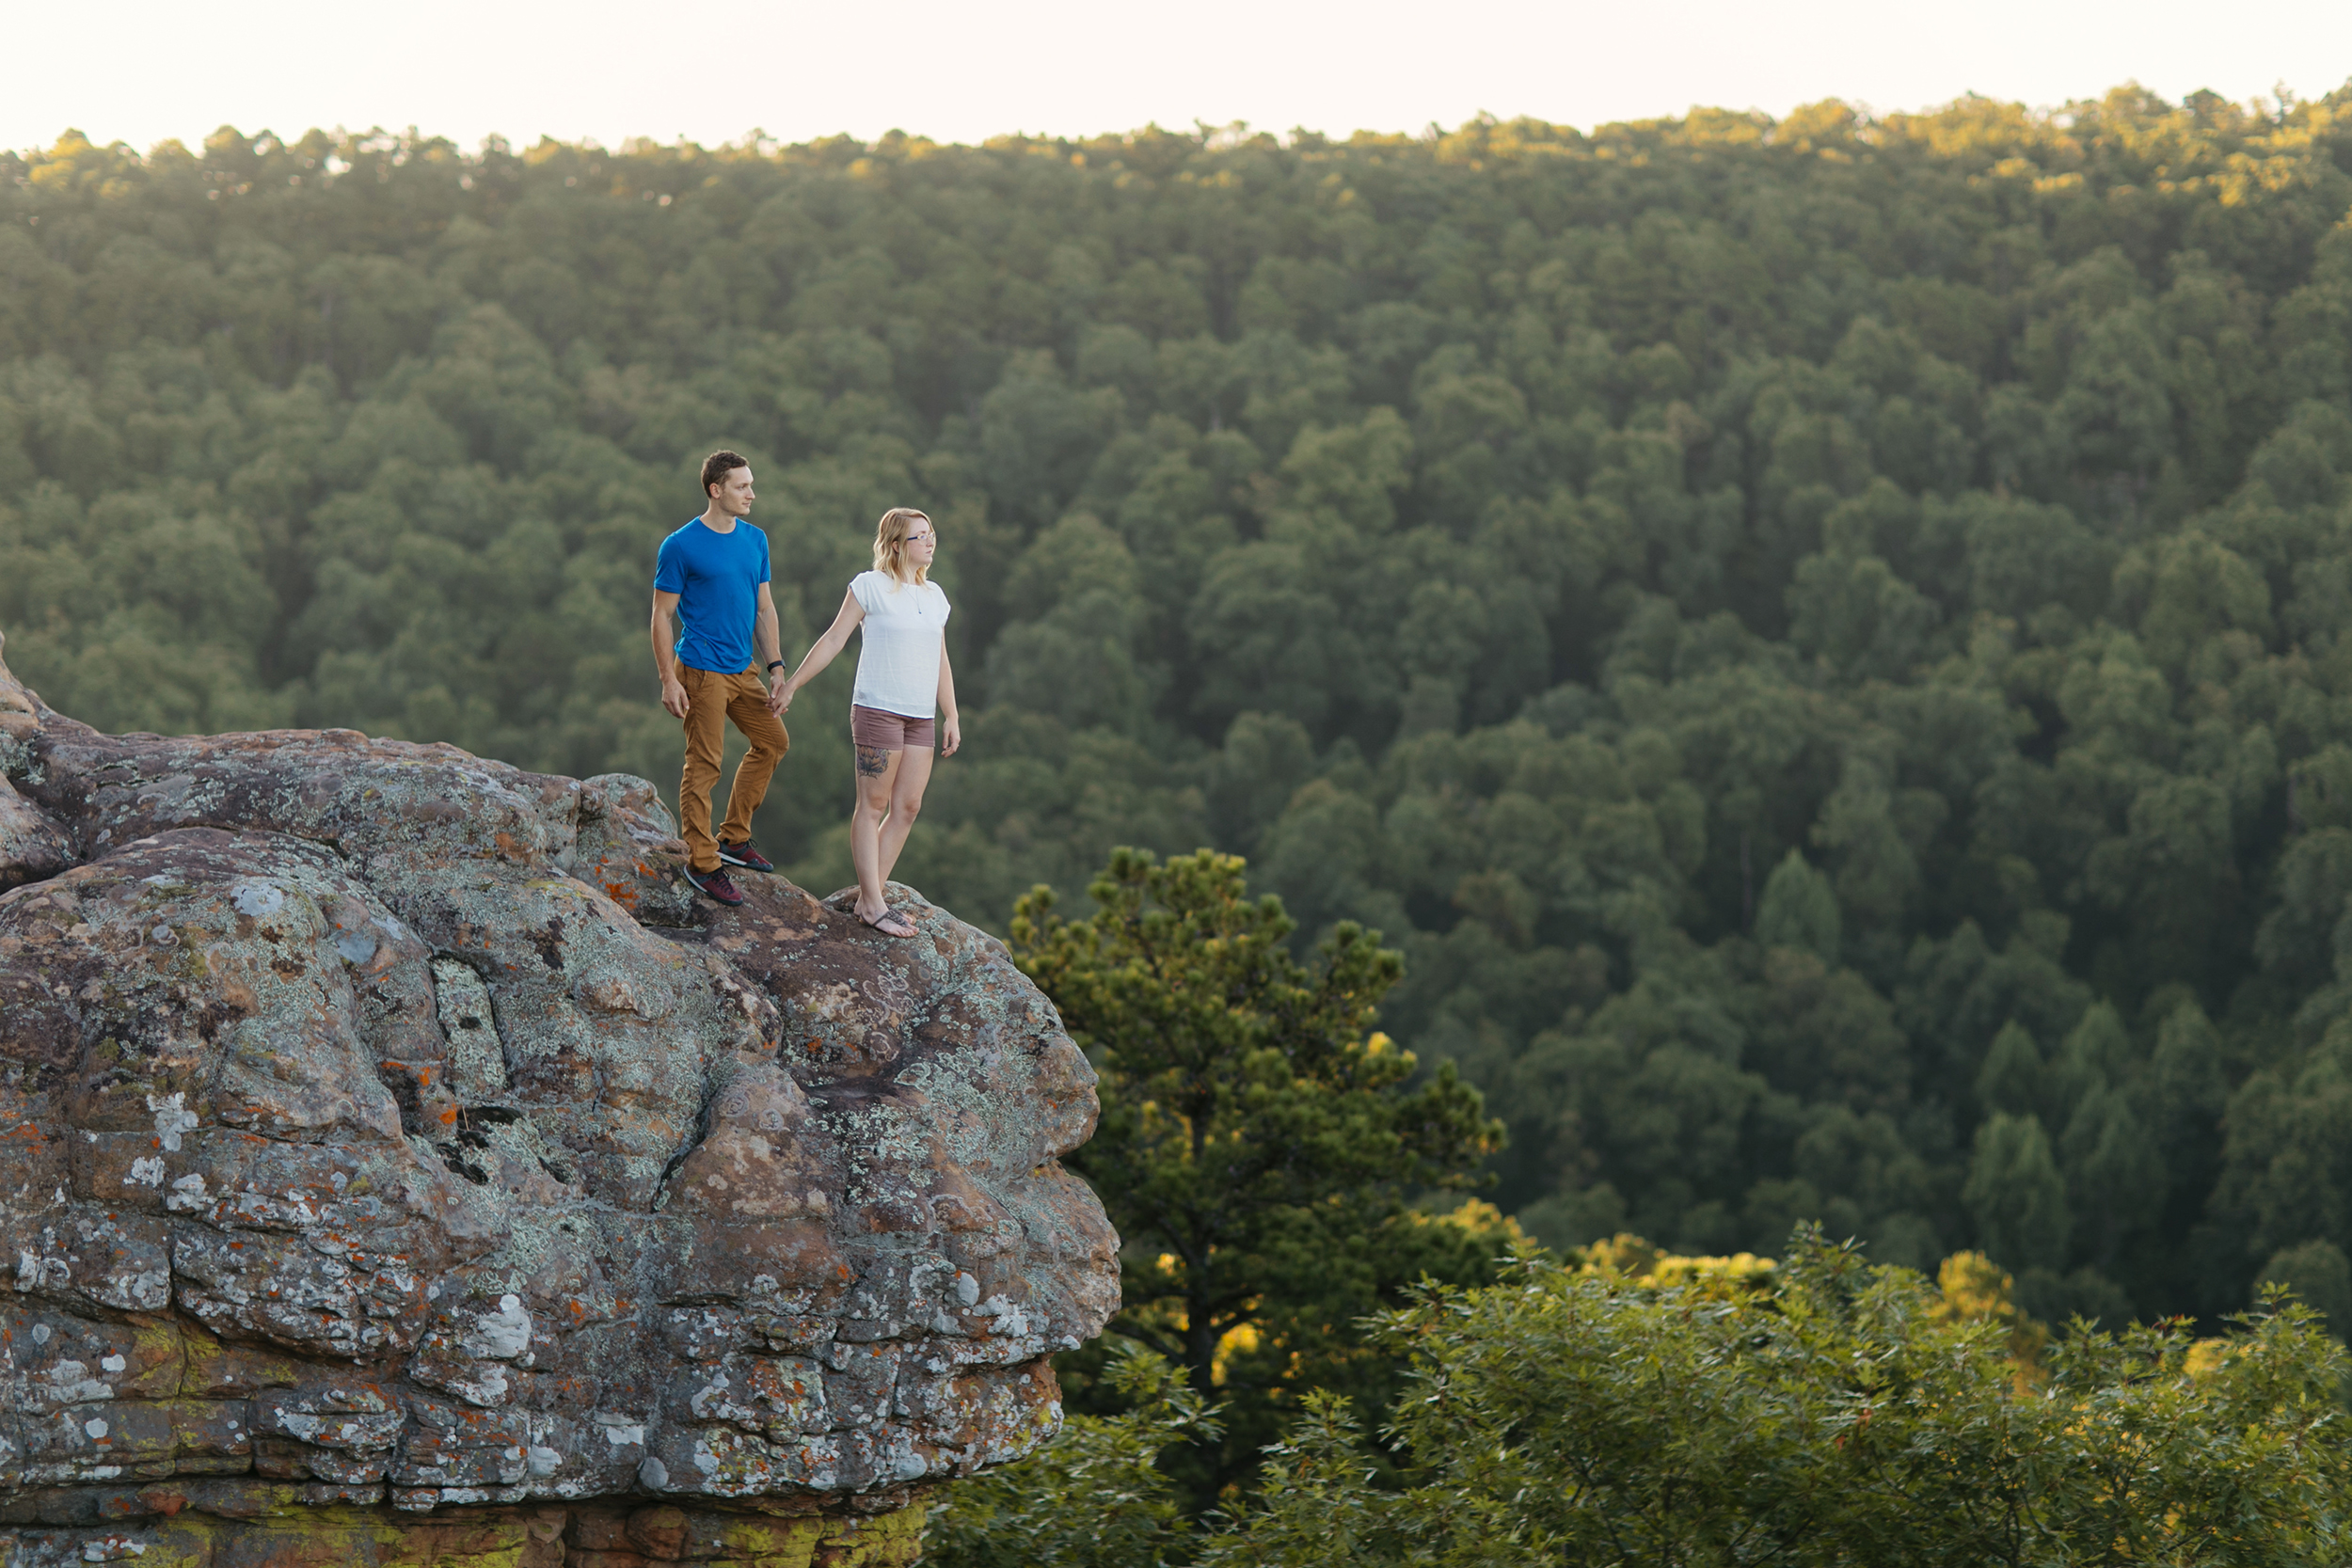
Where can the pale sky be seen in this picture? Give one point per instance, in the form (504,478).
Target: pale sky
(140,70)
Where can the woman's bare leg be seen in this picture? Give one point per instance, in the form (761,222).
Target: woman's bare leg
(906,803)
(876,772)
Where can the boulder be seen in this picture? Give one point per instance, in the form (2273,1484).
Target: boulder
(399,1164)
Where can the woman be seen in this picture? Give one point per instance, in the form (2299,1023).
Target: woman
(902,678)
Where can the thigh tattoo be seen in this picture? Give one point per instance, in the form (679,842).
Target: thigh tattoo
(872,761)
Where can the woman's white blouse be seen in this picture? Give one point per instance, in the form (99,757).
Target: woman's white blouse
(898,662)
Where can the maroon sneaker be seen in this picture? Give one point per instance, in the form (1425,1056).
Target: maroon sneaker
(714,884)
(745,856)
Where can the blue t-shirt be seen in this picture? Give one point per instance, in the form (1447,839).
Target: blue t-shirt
(716,577)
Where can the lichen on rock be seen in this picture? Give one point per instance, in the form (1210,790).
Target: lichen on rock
(398,1163)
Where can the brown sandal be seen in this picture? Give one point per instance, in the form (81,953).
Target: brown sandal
(904,929)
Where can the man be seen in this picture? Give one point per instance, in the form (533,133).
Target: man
(712,577)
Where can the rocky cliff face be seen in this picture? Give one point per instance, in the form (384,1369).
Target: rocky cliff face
(397,1165)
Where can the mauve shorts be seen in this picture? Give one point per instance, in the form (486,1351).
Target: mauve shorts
(891,732)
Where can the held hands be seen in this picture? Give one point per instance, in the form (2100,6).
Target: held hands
(779,697)
(674,696)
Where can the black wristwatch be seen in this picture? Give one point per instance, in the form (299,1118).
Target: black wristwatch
(774,665)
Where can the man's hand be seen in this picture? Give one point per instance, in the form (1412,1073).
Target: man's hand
(951,736)
(674,696)
(779,698)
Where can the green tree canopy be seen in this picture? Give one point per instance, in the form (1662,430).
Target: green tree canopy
(1624,1407)
(1260,1143)
(1839,1417)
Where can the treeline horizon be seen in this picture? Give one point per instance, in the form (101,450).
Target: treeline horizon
(757,142)
(1823,640)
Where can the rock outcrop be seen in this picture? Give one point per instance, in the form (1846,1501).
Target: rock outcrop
(398,1165)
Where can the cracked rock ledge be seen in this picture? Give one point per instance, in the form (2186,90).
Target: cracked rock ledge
(398,1166)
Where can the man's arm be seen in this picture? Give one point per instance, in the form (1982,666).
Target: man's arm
(665,652)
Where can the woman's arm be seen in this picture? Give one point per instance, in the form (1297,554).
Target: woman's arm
(836,637)
(953,738)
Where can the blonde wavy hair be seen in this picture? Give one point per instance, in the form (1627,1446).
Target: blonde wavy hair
(890,544)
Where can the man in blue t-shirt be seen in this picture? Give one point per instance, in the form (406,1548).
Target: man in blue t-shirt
(712,611)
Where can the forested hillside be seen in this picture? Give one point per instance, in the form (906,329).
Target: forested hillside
(1828,644)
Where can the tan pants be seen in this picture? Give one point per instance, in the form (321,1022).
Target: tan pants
(711,700)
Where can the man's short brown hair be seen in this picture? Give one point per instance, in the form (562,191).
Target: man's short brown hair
(718,466)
